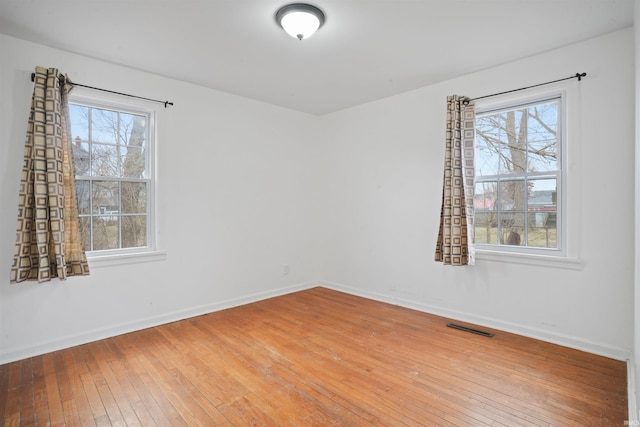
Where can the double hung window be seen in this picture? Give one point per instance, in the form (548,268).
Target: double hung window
(519,176)
(113,158)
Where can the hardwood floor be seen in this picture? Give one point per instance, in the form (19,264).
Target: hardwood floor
(316,357)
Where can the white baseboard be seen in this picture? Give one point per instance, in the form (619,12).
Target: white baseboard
(11,355)
(560,339)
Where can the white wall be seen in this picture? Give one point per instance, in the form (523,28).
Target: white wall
(234,206)
(385,185)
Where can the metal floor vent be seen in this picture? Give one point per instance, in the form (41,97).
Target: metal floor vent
(467,329)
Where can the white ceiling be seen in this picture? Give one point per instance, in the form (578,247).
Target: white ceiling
(367,49)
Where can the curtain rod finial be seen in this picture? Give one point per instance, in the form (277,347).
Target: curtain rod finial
(580,76)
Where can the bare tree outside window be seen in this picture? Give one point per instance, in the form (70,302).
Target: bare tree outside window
(517,176)
(111,164)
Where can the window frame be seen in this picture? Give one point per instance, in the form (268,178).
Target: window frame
(123,104)
(568,188)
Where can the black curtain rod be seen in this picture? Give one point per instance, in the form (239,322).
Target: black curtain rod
(63,81)
(578,76)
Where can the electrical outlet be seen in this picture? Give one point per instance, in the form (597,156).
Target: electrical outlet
(285,270)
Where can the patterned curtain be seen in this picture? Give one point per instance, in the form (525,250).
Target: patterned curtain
(48,242)
(455,244)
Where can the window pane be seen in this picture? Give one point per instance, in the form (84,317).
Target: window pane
(105,160)
(512,228)
(511,195)
(514,158)
(81,158)
(134,197)
(134,231)
(79,118)
(84,197)
(488,148)
(85,231)
(105,233)
(486,227)
(106,198)
(542,194)
(543,230)
(485,196)
(133,162)
(542,136)
(104,126)
(132,130)
(500,146)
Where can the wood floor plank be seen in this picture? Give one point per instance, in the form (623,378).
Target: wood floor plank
(80,402)
(252,370)
(243,411)
(187,407)
(65,389)
(40,403)
(174,361)
(56,413)
(144,404)
(121,408)
(26,393)
(71,416)
(202,404)
(143,414)
(12,400)
(88,386)
(316,357)
(221,386)
(97,363)
(157,399)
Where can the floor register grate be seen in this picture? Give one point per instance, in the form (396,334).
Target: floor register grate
(468,329)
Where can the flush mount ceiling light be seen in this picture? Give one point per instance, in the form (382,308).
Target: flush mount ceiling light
(300,20)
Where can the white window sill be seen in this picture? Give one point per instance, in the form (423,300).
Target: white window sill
(110,260)
(530,259)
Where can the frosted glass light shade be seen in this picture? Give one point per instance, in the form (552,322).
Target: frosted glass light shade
(300,24)
(300,20)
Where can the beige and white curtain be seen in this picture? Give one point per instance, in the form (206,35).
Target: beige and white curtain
(48,242)
(455,238)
